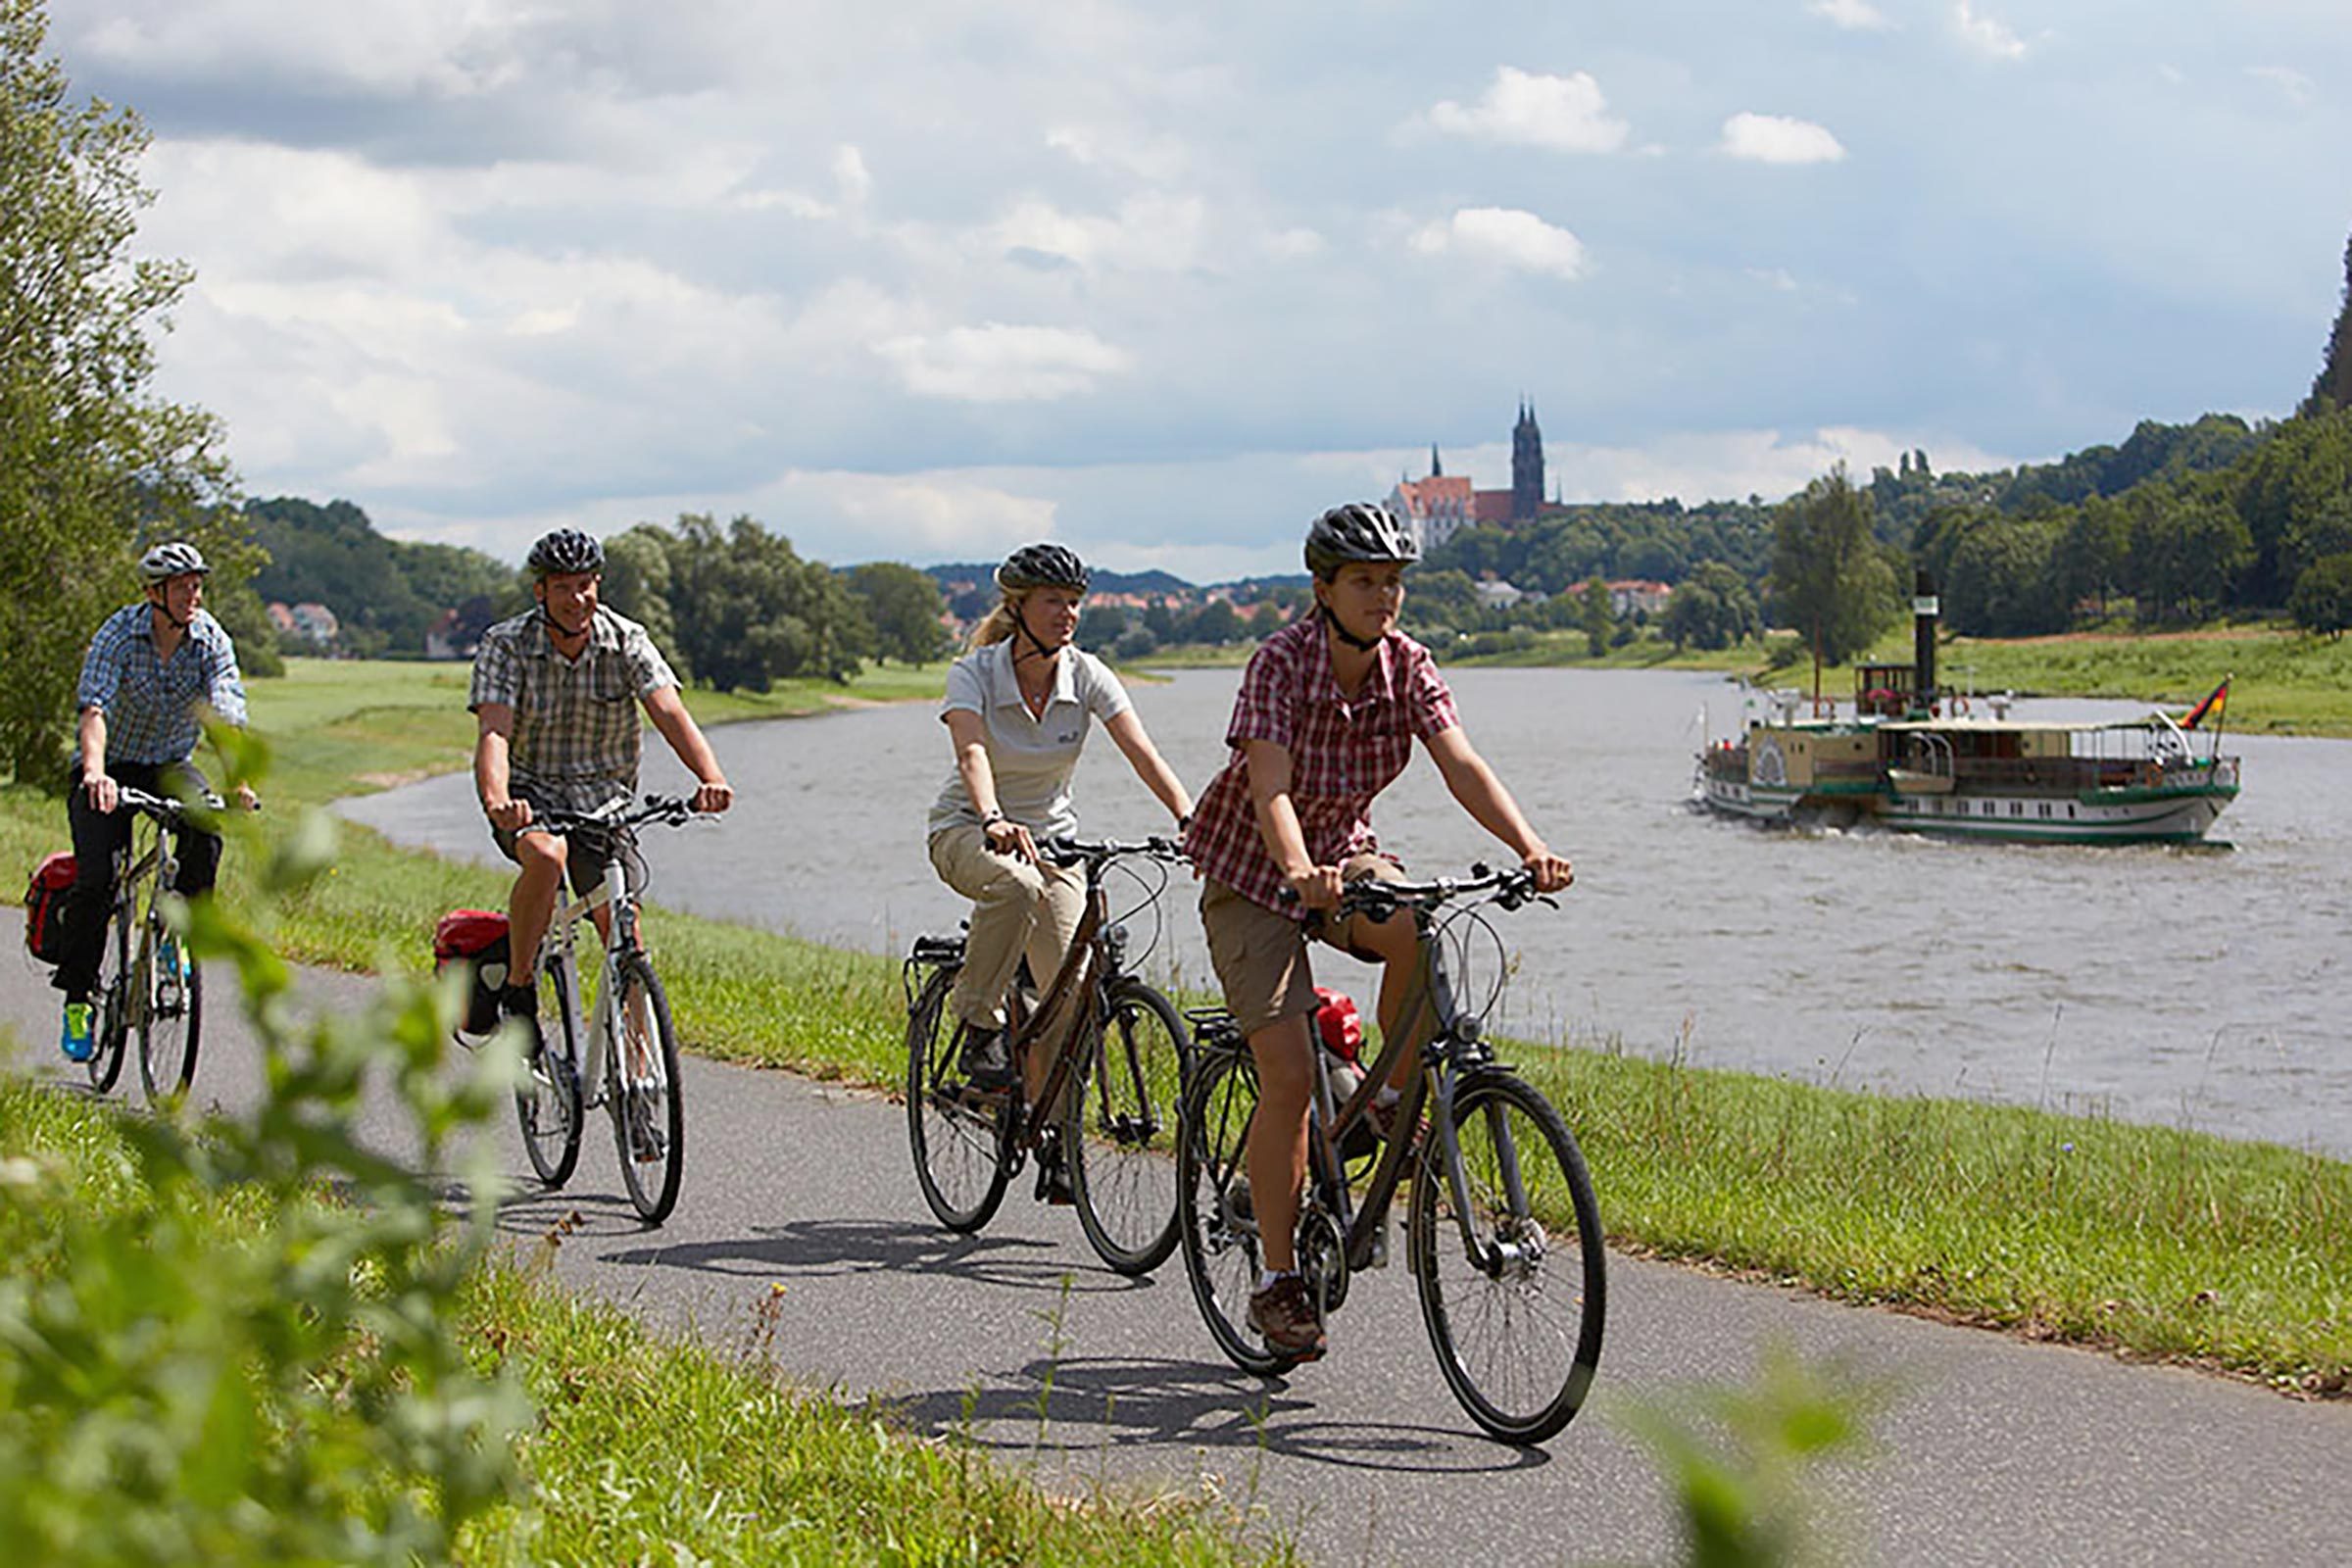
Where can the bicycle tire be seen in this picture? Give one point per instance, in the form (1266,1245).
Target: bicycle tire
(1219,1240)
(654,1101)
(1543,1307)
(961,1144)
(109,1029)
(1120,1128)
(169,1030)
(547,1103)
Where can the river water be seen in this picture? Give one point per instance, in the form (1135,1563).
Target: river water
(2200,987)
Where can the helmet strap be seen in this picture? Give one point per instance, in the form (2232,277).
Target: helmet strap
(1359,644)
(1036,644)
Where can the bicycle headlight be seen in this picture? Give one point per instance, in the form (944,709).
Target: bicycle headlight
(1114,943)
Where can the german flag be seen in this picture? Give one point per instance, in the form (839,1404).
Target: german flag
(2211,708)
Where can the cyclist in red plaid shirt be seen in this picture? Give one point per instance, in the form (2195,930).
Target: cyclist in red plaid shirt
(1326,719)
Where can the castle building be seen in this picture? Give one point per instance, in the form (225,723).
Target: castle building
(1441,505)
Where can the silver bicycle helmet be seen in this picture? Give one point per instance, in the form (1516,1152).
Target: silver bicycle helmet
(169,560)
(1361,530)
(565,552)
(1042,566)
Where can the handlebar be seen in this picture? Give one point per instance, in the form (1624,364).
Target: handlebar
(1094,852)
(163,807)
(669,810)
(1381,898)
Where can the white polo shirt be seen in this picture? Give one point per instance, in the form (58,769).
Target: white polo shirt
(1032,755)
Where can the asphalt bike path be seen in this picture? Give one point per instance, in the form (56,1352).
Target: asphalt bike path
(801,1236)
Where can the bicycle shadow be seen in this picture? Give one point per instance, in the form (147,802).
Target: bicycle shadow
(835,1249)
(1079,1406)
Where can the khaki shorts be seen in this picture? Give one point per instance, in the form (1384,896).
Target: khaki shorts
(1260,954)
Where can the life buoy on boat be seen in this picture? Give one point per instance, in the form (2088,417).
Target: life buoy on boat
(1959,706)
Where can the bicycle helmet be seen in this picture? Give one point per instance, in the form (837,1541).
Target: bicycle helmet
(565,552)
(1361,530)
(169,560)
(1042,566)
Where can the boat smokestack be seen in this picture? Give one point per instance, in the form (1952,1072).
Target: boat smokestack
(1923,610)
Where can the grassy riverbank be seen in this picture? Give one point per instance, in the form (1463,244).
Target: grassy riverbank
(642,1449)
(2151,1242)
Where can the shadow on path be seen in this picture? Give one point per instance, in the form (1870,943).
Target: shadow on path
(1082,1405)
(834,1247)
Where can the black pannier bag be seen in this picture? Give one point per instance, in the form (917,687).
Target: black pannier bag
(475,937)
(45,907)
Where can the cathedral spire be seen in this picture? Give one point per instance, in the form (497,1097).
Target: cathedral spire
(1435,469)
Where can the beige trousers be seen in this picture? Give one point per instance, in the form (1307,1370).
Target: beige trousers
(1018,910)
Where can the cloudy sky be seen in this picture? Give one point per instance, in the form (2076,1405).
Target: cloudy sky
(925,279)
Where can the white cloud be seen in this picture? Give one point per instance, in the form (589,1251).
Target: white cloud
(1506,235)
(1988,35)
(1778,139)
(1151,232)
(1564,114)
(1776,279)
(1158,159)
(1853,15)
(919,514)
(850,175)
(1296,244)
(2297,88)
(995,362)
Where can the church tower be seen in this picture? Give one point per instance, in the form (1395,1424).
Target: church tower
(1527,465)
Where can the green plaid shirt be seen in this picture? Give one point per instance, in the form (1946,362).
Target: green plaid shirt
(577,735)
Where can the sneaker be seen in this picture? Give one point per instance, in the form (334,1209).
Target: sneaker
(1283,1314)
(521,1003)
(1053,1177)
(984,1058)
(77,1038)
(172,960)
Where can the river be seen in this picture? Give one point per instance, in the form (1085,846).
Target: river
(2198,987)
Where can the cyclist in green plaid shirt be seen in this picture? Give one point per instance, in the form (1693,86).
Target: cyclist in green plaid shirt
(555,693)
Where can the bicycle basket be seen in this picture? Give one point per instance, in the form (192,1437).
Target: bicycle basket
(476,937)
(45,907)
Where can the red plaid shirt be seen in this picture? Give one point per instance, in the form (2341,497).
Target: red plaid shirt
(1343,751)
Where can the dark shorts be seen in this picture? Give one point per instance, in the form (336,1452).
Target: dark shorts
(586,852)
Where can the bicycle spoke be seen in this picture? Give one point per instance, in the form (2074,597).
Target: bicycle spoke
(956,1133)
(1122,1131)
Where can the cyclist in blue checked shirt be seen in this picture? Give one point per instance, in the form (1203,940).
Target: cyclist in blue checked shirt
(153,672)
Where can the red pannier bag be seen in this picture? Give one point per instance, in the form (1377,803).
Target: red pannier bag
(476,937)
(45,907)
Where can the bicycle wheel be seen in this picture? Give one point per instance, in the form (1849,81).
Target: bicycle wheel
(110,1028)
(1214,1222)
(960,1138)
(1120,1129)
(1516,1326)
(649,1103)
(170,1011)
(547,1103)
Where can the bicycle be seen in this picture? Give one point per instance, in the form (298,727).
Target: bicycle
(631,1063)
(157,991)
(1503,1234)
(1122,1061)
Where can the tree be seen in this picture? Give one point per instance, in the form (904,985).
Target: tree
(2334,386)
(2001,582)
(903,605)
(2187,555)
(2322,598)
(637,584)
(751,612)
(1595,615)
(1711,608)
(93,465)
(1829,578)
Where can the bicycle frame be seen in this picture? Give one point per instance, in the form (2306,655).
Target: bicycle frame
(1452,1047)
(557,950)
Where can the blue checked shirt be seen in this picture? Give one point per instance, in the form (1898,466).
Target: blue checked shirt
(154,706)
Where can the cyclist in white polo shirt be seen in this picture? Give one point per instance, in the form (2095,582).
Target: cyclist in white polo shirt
(1018,708)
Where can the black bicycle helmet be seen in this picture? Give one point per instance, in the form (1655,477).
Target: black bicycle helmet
(566,550)
(1361,530)
(1042,566)
(169,560)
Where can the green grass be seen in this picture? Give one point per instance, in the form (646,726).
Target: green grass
(2151,1242)
(649,1450)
